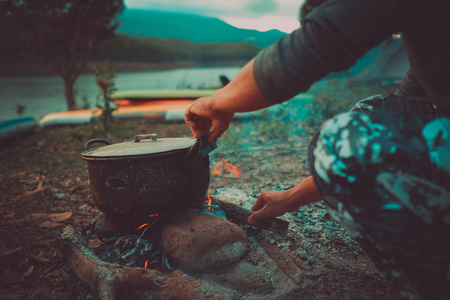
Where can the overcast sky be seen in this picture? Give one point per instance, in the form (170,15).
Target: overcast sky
(253,14)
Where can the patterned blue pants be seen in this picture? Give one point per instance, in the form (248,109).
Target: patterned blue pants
(383,170)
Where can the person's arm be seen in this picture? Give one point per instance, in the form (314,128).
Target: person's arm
(277,203)
(240,95)
(332,38)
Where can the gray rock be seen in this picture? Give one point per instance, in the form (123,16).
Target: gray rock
(194,241)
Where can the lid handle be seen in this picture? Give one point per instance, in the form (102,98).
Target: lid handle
(139,137)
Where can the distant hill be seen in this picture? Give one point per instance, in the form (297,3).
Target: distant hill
(195,28)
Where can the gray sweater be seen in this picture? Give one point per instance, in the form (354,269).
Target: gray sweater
(336,34)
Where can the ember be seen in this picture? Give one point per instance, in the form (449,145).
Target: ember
(155,216)
(224,168)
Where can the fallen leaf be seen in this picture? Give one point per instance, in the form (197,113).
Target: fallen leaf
(73,188)
(34,192)
(84,206)
(61,217)
(39,259)
(27,273)
(48,224)
(29,181)
(29,218)
(11,252)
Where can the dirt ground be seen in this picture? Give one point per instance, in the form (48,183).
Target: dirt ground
(44,187)
(333,266)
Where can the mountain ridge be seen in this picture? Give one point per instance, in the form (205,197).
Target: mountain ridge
(191,27)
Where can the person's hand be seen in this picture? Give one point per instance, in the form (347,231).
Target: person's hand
(272,204)
(202,115)
(240,95)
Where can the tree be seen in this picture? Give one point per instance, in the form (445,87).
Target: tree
(63,33)
(105,79)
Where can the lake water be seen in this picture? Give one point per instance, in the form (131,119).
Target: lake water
(42,95)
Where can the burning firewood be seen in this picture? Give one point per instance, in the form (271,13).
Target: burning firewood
(103,278)
(107,280)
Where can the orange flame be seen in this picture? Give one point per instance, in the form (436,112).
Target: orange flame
(156,216)
(142,226)
(208,202)
(224,168)
(146,264)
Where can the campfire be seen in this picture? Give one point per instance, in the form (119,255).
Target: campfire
(141,246)
(131,251)
(208,250)
(149,256)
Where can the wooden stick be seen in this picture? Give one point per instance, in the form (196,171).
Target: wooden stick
(103,278)
(240,215)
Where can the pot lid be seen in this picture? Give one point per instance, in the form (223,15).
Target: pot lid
(142,145)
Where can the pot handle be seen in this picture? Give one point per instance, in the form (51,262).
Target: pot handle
(90,142)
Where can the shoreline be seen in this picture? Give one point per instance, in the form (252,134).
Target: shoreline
(40,69)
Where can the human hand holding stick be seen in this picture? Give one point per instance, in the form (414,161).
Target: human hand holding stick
(277,203)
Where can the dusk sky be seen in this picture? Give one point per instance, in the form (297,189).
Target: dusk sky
(253,14)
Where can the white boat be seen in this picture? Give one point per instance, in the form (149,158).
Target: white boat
(17,127)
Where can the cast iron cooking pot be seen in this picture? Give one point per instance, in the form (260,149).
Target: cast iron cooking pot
(147,176)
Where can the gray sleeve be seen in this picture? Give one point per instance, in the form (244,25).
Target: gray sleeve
(332,38)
